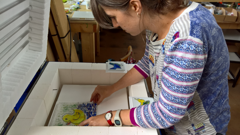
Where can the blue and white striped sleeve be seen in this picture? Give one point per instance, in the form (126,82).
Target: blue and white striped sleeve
(143,65)
(183,66)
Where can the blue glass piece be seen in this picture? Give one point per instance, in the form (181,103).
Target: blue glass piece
(115,66)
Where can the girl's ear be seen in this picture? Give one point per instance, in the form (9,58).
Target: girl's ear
(136,6)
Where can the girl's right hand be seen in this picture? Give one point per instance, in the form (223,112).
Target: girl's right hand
(100,93)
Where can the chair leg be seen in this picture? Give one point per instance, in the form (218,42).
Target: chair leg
(236,79)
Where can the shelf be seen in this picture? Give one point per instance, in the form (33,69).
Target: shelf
(225,25)
(231,35)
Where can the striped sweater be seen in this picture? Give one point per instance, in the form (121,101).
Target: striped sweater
(189,78)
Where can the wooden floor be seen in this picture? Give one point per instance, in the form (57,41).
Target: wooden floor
(234,101)
(114,44)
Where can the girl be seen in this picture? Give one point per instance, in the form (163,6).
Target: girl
(187,59)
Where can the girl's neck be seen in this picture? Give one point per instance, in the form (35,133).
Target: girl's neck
(161,24)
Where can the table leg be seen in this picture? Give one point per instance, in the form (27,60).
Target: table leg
(88,47)
(236,78)
(97,39)
(74,55)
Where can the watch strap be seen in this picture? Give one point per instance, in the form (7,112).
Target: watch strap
(110,120)
(117,119)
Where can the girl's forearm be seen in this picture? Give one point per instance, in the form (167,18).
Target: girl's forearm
(131,77)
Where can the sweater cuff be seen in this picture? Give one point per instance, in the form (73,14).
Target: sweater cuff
(132,117)
(141,71)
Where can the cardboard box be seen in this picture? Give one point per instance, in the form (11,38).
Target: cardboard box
(238,18)
(207,7)
(230,18)
(220,18)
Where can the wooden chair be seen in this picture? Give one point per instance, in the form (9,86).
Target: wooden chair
(232,38)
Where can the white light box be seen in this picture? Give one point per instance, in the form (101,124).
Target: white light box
(66,82)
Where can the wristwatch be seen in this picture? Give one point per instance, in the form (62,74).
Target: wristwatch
(117,119)
(108,117)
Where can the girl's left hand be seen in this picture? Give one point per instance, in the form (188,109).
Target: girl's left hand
(98,120)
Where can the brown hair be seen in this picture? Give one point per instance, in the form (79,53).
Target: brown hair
(152,6)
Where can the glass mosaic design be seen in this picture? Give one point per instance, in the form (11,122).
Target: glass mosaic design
(72,114)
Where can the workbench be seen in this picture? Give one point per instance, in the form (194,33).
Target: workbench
(90,35)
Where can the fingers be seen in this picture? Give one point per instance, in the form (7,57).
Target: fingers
(85,122)
(93,95)
(95,99)
(99,100)
(98,97)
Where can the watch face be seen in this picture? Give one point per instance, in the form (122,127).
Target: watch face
(108,116)
(117,122)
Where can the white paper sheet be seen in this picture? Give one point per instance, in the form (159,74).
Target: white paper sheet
(82,15)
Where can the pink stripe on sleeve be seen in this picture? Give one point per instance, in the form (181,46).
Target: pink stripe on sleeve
(140,71)
(132,117)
